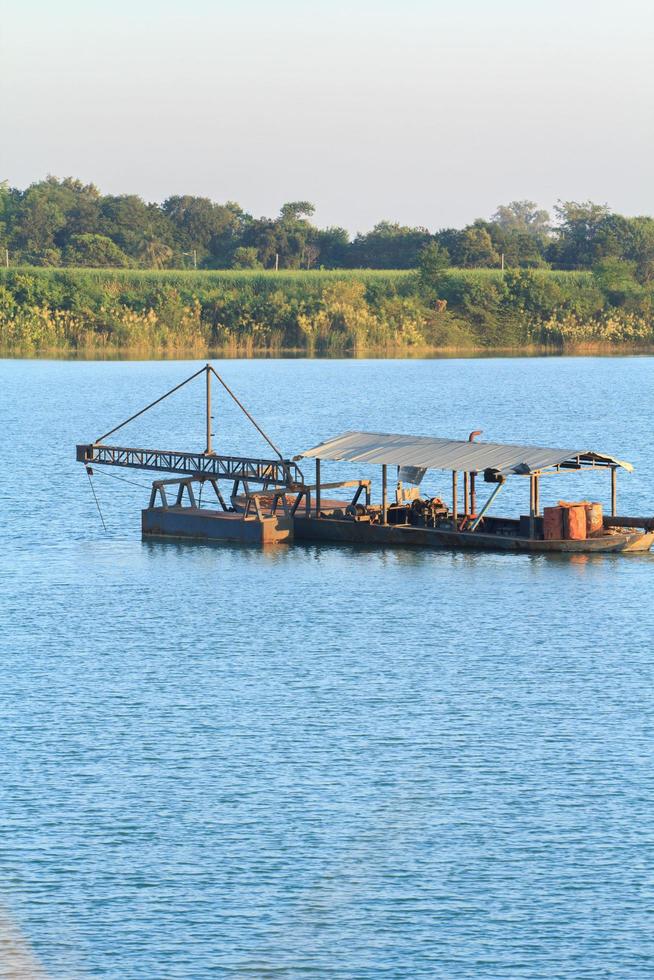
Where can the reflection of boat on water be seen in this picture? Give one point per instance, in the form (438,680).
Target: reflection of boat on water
(284,506)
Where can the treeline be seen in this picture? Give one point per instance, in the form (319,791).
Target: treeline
(333,312)
(68,223)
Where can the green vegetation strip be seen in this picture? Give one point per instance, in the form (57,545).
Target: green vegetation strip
(88,311)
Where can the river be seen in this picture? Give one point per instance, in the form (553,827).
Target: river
(318,761)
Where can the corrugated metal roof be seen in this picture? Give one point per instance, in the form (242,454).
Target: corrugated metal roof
(450,454)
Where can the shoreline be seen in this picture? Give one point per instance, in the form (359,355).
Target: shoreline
(389,352)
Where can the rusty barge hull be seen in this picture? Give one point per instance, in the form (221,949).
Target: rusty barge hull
(383,536)
(200,524)
(211,525)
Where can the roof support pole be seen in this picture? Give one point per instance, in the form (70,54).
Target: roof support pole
(536,495)
(455,501)
(614,491)
(473,498)
(532,505)
(384,494)
(318,501)
(466,493)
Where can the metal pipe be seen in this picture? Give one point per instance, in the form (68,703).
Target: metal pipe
(531,506)
(536,495)
(208,450)
(384,494)
(466,492)
(318,501)
(455,502)
(614,491)
(484,509)
(471,500)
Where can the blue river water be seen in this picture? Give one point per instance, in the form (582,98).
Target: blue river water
(318,761)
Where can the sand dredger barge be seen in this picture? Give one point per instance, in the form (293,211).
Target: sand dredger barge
(261,501)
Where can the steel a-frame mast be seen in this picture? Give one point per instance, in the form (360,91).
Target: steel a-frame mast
(250,469)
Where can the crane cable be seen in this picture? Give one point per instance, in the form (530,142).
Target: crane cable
(132,483)
(89,473)
(112,476)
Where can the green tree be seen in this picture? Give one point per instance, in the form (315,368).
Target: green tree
(200,225)
(95,251)
(246,257)
(388,246)
(129,221)
(287,237)
(640,248)
(523,216)
(154,254)
(5,213)
(579,240)
(333,243)
(433,260)
(616,278)
(476,249)
(264,235)
(521,249)
(296,211)
(49,213)
(296,234)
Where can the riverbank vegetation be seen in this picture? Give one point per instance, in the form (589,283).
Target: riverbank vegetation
(98,273)
(98,312)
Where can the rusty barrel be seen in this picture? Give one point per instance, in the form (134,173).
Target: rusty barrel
(574,520)
(553,523)
(594,518)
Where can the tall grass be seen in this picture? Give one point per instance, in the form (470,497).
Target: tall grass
(107,310)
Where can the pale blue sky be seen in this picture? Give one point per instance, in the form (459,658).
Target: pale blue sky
(421,112)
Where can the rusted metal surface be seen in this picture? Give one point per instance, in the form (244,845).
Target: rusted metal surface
(183,484)
(266,471)
(208,525)
(645,522)
(381,448)
(389,535)
(553,523)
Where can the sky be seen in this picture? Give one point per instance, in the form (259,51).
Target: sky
(426,113)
